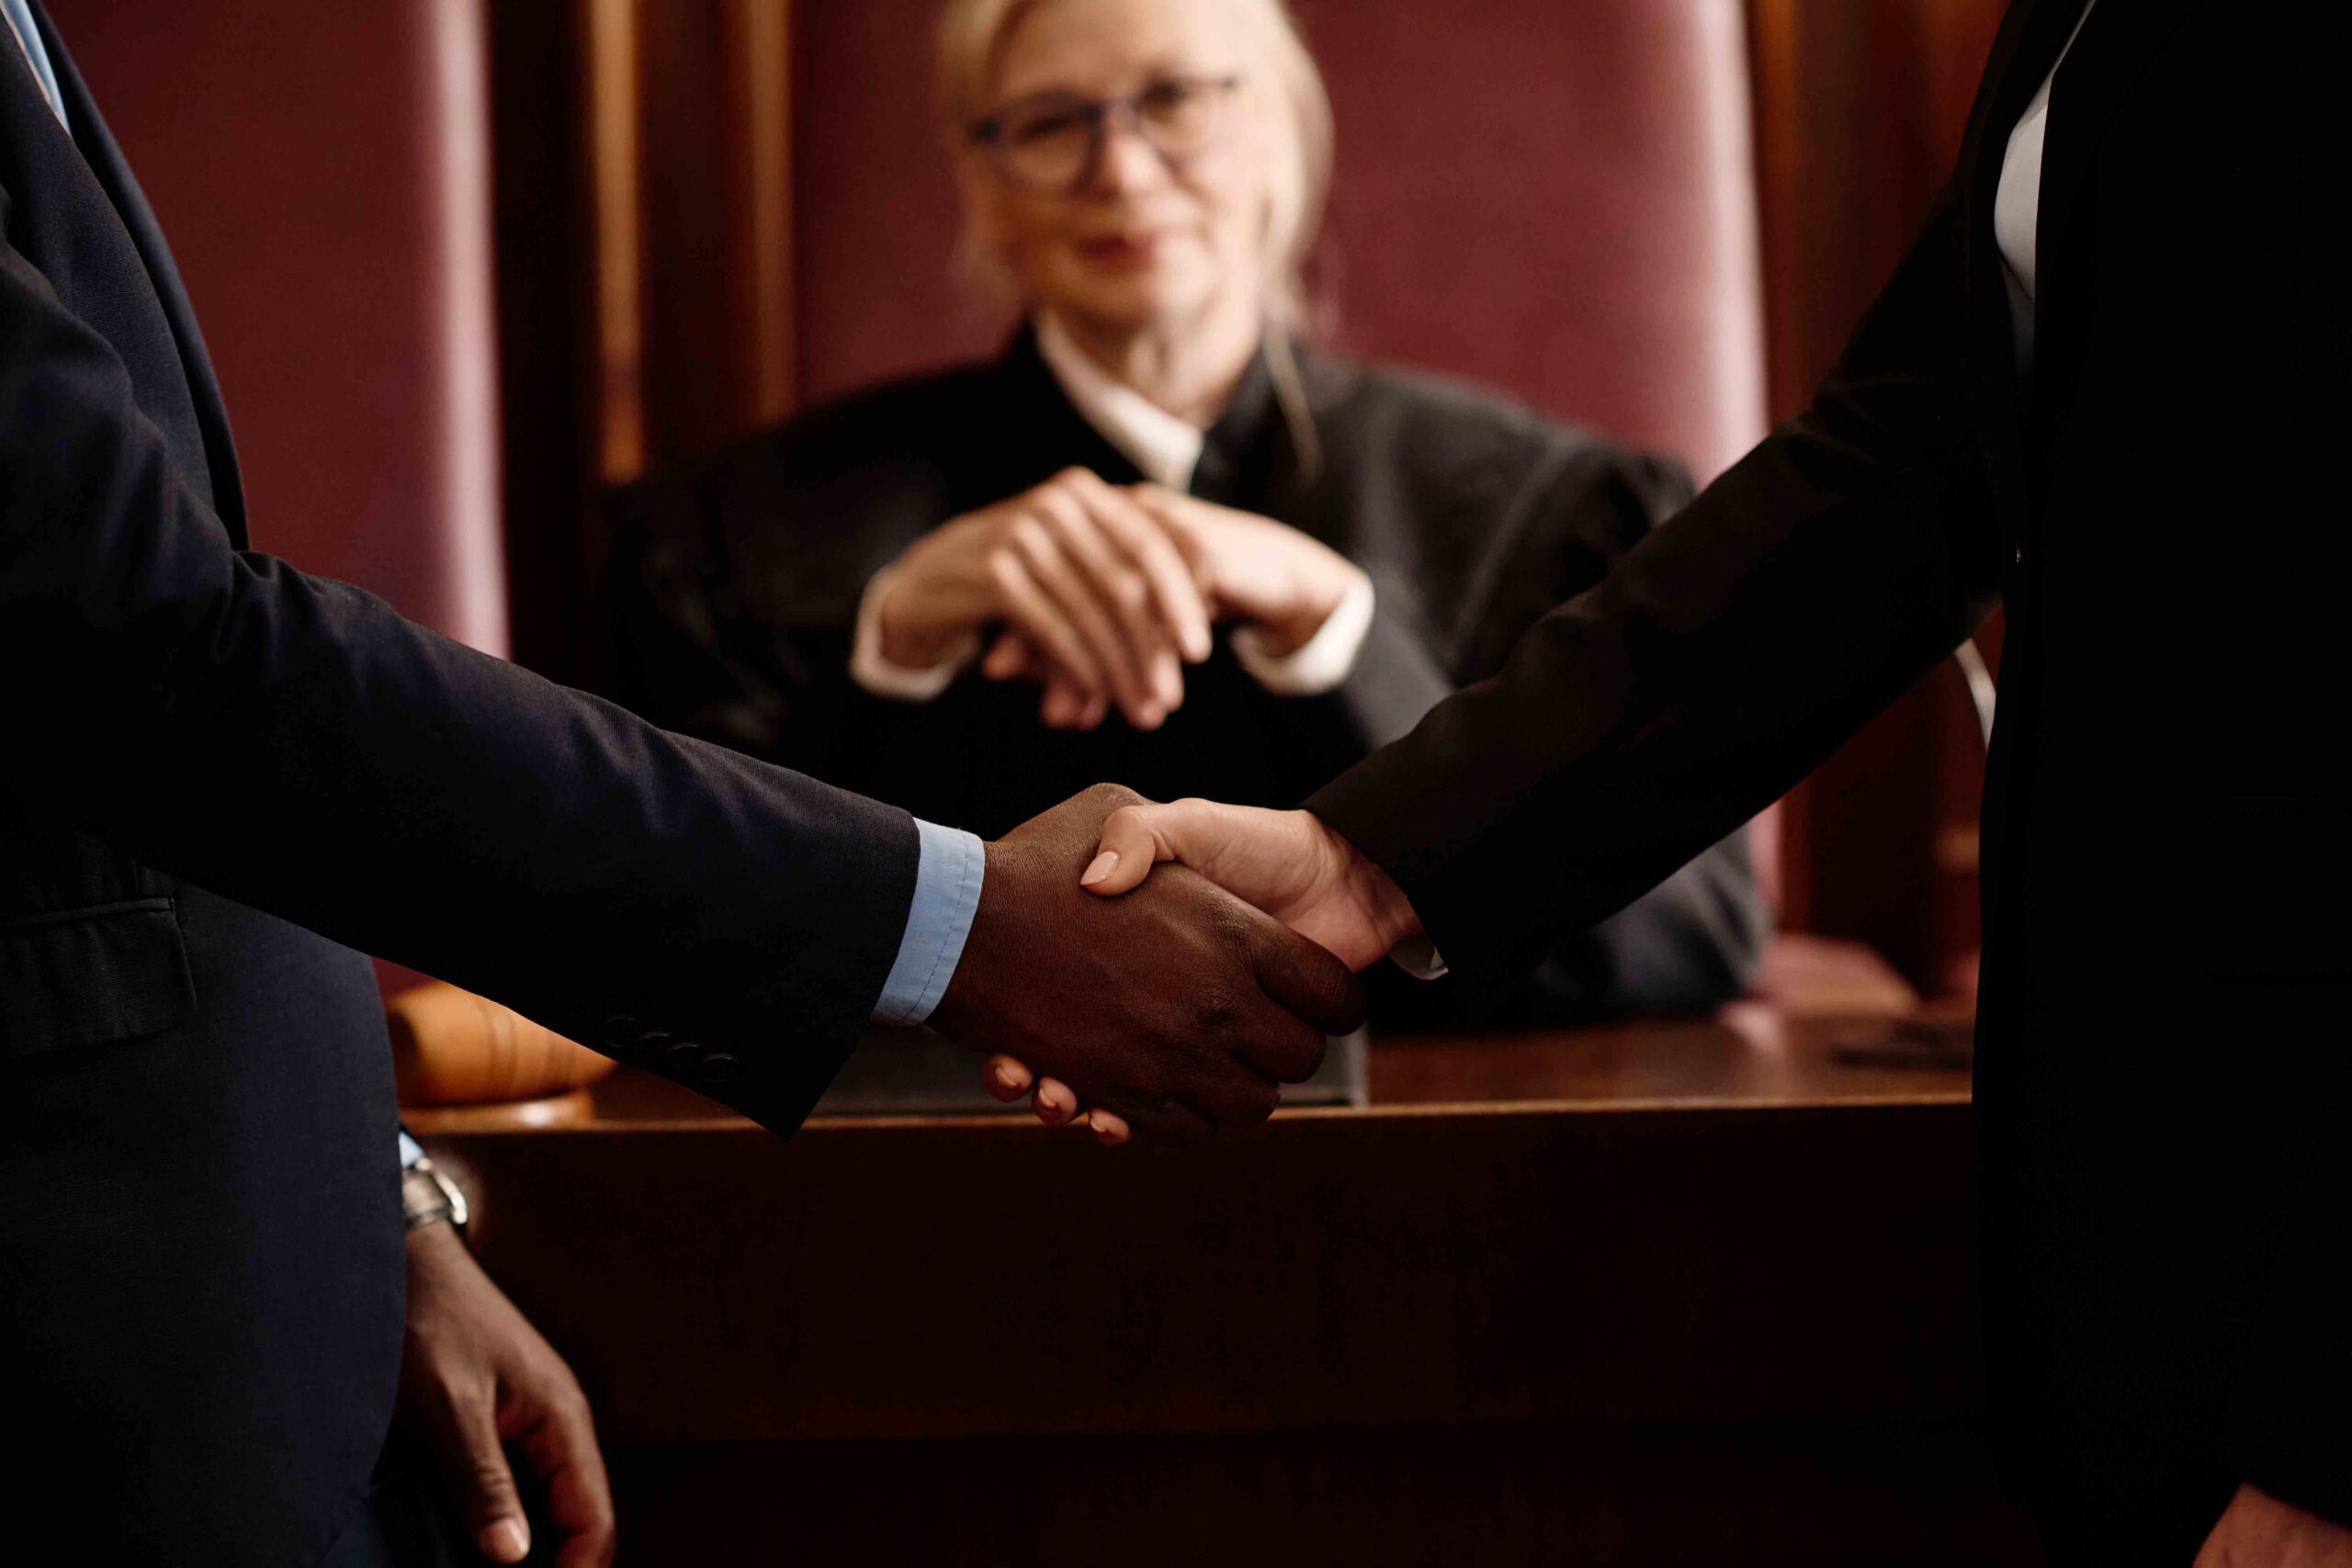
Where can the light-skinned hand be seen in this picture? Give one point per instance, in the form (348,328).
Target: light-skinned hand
(1081,573)
(1280,580)
(1284,583)
(2257,1530)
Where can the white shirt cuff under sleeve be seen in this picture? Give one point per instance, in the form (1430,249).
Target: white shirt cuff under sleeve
(1324,660)
(1418,956)
(895,681)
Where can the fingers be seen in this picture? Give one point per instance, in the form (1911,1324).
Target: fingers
(1005,1079)
(1010,658)
(465,1441)
(1178,527)
(1137,838)
(1039,539)
(1163,1121)
(1063,706)
(1080,561)
(1310,981)
(560,1444)
(1077,508)
(1284,1048)
(1040,618)
(1239,1095)
(1129,849)
(1174,583)
(1056,1102)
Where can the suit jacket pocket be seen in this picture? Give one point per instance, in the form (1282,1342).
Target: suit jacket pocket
(2281,890)
(85,977)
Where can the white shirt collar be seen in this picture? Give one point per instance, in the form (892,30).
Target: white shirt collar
(1164,448)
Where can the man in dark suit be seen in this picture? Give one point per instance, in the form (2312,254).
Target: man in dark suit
(223,780)
(2094,393)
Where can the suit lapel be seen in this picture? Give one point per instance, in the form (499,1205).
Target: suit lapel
(2030,36)
(2116,45)
(106,162)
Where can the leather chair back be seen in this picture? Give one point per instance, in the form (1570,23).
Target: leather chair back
(322,172)
(1558,201)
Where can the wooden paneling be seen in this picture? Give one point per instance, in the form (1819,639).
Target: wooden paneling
(551,381)
(646,244)
(1674,1292)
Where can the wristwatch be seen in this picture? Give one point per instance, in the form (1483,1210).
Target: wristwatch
(427,1196)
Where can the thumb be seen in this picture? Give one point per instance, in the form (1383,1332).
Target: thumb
(1259,856)
(1135,838)
(474,1462)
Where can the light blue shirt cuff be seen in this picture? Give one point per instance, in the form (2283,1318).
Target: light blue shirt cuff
(410,1151)
(947,893)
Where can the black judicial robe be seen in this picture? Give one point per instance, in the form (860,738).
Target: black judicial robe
(736,581)
(2164,1072)
(220,782)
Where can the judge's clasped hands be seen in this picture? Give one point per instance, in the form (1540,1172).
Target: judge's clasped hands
(1102,592)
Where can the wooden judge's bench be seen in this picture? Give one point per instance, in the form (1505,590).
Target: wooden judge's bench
(1668,1292)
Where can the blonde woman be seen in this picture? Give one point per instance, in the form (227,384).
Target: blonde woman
(1159,539)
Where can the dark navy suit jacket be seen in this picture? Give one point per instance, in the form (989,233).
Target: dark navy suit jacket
(221,782)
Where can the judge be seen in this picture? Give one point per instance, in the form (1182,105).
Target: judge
(1157,539)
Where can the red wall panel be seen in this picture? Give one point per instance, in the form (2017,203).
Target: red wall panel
(1557,200)
(323,173)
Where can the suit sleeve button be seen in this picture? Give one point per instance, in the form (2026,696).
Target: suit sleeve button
(648,1045)
(719,1067)
(619,1029)
(680,1057)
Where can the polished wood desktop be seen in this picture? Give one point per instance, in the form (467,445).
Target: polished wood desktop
(1704,1289)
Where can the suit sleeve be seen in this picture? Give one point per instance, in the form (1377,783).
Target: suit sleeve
(1693,942)
(294,744)
(1730,651)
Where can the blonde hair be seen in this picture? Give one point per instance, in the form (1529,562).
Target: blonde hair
(971,32)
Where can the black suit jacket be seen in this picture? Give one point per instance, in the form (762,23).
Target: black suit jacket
(218,779)
(2162,1076)
(737,579)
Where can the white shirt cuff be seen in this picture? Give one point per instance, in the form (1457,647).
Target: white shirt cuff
(1418,956)
(883,679)
(1322,661)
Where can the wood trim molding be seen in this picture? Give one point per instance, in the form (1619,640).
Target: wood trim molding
(617,215)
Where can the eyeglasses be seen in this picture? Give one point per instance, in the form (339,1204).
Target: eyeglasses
(1053,142)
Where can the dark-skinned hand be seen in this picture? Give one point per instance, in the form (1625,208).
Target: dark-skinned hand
(1177,1007)
(475,1378)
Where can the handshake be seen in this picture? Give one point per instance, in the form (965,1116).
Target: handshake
(1170,1002)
